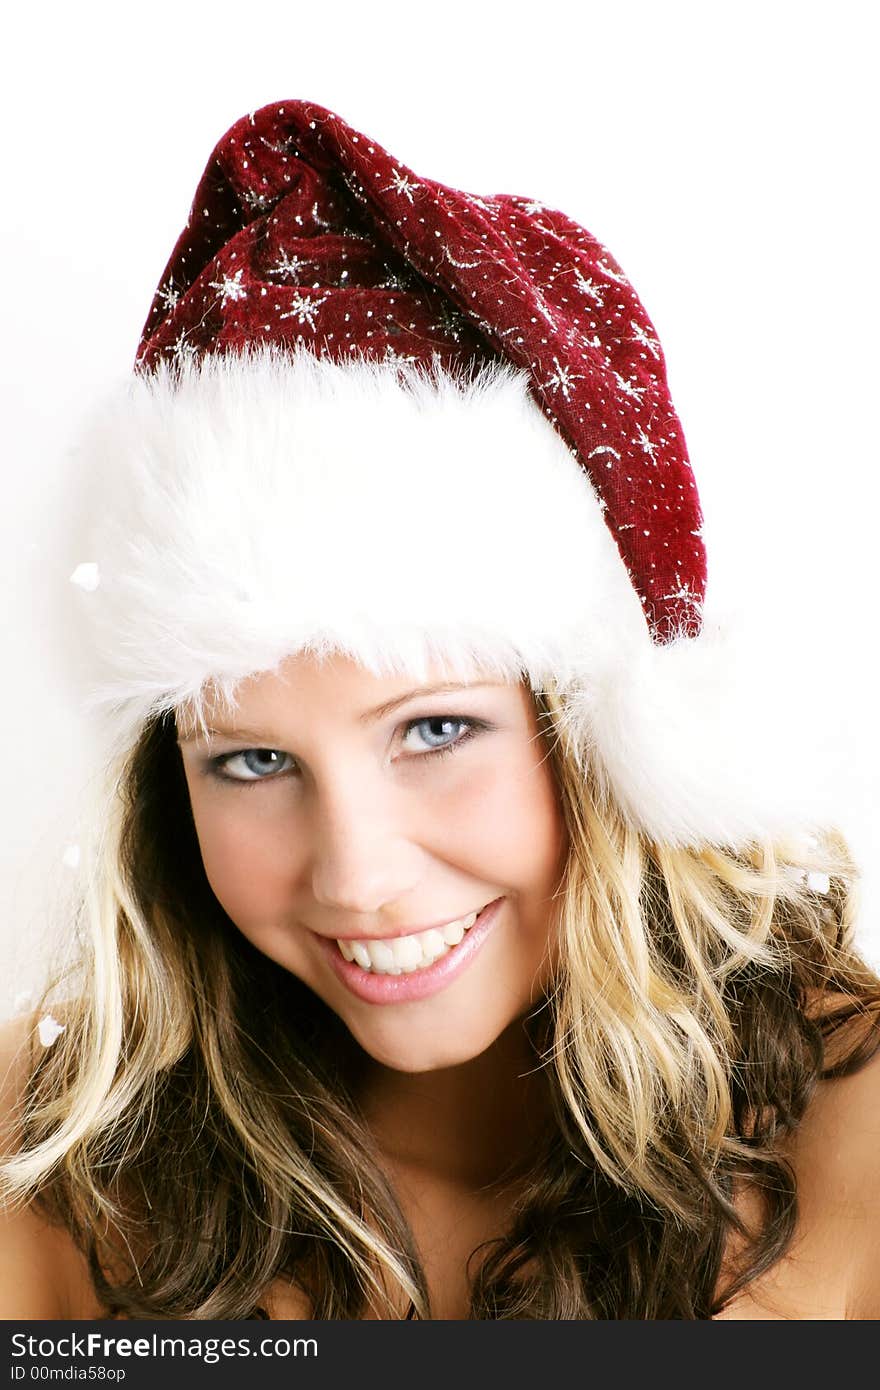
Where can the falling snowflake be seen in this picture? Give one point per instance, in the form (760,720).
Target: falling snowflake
(304,309)
(50,1030)
(817,882)
(562,379)
(230,287)
(644,339)
(86,576)
(534,207)
(402,184)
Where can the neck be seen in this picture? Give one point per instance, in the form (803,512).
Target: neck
(475,1125)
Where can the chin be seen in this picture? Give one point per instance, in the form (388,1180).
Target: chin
(406,1051)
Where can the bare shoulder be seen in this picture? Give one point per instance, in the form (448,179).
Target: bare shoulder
(832,1269)
(285,1302)
(836,1156)
(42,1273)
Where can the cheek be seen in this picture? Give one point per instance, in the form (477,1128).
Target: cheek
(248,859)
(509,816)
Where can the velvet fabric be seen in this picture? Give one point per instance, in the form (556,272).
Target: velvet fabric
(305,231)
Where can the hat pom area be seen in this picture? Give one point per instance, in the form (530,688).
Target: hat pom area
(726,738)
(245,507)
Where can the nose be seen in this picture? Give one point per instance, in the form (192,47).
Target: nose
(363,859)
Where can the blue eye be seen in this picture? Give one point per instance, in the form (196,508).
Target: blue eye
(254,764)
(439,732)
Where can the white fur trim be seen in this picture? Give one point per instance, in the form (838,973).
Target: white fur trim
(260,505)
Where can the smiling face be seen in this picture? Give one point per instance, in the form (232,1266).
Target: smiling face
(343,807)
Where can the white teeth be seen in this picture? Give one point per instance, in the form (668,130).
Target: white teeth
(407,952)
(454,932)
(361,954)
(381,955)
(433,944)
(401,955)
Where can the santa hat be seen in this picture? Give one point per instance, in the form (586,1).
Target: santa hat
(376,415)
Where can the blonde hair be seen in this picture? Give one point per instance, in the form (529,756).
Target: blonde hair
(198,1142)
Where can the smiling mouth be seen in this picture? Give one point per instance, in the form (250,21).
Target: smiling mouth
(404,955)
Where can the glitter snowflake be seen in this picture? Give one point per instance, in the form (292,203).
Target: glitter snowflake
(393,280)
(277,146)
(402,184)
(392,355)
(452,321)
(644,338)
(304,309)
(485,204)
(610,274)
(544,310)
(289,265)
(629,388)
(230,287)
(562,379)
(169,295)
(459,265)
(588,288)
(181,350)
(647,444)
(685,594)
(258,202)
(604,449)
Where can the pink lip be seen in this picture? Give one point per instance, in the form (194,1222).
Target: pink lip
(419,984)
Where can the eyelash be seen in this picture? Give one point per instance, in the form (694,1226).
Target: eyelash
(471,727)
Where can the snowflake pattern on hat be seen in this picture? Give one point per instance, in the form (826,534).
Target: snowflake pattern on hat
(304,231)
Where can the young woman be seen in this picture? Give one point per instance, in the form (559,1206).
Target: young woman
(457,939)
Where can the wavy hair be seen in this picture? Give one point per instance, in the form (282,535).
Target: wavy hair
(196,1130)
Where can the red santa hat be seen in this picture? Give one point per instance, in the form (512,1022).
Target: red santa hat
(376,415)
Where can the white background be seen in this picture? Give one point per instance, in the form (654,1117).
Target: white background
(725,155)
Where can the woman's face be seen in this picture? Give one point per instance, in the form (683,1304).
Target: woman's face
(342,807)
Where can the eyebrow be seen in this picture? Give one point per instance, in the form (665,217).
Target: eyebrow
(370,716)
